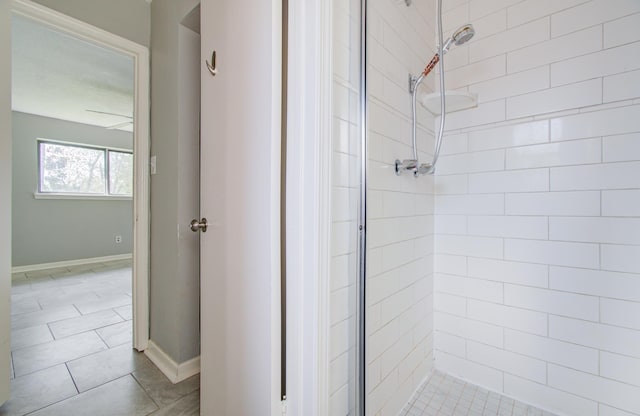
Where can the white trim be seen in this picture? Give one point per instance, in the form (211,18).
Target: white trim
(69,263)
(275,208)
(83,145)
(140,56)
(174,371)
(141,203)
(308,206)
(325,174)
(83,197)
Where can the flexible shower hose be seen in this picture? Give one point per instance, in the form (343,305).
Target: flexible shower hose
(429,168)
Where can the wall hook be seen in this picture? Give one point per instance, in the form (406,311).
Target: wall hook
(212,66)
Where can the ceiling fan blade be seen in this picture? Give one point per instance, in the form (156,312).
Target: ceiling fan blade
(109,114)
(119,125)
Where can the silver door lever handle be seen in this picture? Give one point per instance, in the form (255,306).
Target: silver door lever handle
(212,66)
(196,225)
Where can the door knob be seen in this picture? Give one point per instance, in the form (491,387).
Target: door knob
(199,225)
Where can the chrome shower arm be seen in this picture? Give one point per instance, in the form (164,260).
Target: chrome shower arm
(462,35)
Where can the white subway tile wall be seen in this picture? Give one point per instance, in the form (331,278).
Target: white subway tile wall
(400,208)
(537,206)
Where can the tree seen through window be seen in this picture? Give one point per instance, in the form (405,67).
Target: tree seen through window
(74,169)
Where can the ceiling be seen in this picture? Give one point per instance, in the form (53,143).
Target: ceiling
(57,75)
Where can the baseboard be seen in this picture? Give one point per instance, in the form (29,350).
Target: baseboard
(174,371)
(68,263)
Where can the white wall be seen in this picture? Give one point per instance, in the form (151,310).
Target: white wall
(400,209)
(87,227)
(537,211)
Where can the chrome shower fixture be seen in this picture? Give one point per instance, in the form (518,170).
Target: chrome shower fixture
(462,35)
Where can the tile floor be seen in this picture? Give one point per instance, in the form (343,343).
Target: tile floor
(71,349)
(444,395)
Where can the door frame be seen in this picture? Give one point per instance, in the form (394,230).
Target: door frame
(141,217)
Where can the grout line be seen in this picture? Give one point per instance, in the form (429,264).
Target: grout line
(601,200)
(600,255)
(51,332)
(600,311)
(549,276)
(76,308)
(548,325)
(600,363)
(146,392)
(13,365)
(66,365)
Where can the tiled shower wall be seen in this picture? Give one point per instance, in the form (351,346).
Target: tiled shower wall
(537,206)
(345,182)
(400,209)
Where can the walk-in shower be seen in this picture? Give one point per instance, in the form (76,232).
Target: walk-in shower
(460,36)
(511,261)
(369,60)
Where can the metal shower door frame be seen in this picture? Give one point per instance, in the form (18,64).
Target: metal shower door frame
(362,219)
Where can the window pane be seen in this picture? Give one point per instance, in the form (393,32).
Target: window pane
(120,173)
(71,169)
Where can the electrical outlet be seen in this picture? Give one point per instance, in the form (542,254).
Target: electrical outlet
(118,239)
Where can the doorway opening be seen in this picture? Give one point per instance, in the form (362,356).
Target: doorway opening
(80,118)
(72,191)
(109,121)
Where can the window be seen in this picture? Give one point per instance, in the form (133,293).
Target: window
(73,169)
(120,173)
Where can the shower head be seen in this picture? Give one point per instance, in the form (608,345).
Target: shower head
(462,35)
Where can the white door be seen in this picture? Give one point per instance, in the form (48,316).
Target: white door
(240,197)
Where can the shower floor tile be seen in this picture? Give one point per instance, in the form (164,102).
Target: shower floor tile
(444,395)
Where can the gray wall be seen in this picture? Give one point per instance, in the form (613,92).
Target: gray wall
(127,18)
(5,191)
(175,322)
(87,228)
